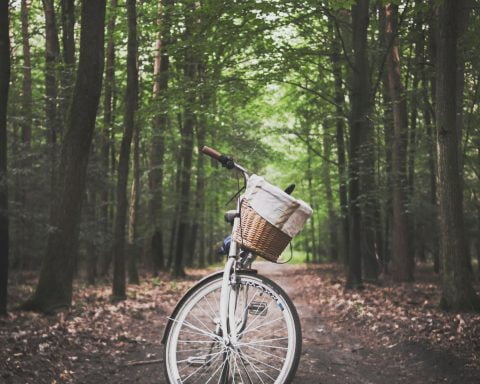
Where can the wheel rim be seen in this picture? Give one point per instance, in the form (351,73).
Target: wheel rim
(265,350)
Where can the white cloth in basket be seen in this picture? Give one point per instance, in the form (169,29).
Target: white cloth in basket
(277,207)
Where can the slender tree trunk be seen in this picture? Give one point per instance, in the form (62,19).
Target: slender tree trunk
(68,44)
(91,248)
(190,70)
(133,247)
(332,220)
(417,242)
(161,73)
(458,293)
(4,85)
(315,253)
(56,276)
(402,256)
(359,121)
(131,103)
(341,158)
(52,58)
(23,257)
(108,156)
(464,9)
(388,138)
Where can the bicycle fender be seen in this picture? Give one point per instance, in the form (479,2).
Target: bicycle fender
(187,294)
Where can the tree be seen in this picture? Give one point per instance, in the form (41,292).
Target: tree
(402,255)
(458,293)
(23,257)
(54,289)
(157,152)
(108,143)
(131,104)
(359,121)
(52,59)
(4,86)
(189,71)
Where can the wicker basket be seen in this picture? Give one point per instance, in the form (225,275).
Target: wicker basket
(258,235)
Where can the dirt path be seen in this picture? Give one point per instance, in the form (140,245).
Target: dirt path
(340,354)
(94,342)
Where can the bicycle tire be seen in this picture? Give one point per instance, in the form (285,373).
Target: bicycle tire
(238,361)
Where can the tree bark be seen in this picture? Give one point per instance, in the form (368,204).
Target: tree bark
(457,293)
(417,242)
(68,45)
(108,155)
(23,256)
(315,251)
(131,103)
(157,152)
(52,58)
(133,248)
(402,257)
(54,288)
(332,220)
(359,121)
(190,69)
(4,85)
(341,158)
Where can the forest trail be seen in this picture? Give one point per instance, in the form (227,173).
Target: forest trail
(336,353)
(356,338)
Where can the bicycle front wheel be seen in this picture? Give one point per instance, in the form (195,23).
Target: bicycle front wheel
(268,343)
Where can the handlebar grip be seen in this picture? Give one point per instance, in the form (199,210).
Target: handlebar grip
(212,153)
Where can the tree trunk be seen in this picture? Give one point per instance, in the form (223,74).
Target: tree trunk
(133,247)
(55,283)
(388,138)
(359,121)
(52,58)
(417,242)
(457,293)
(402,257)
(91,248)
(108,156)
(4,85)
(464,9)
(23,257)
(186,149)
(161,73)
(332,220)
(68,44)
(131,103)
(315,253)
(341,158)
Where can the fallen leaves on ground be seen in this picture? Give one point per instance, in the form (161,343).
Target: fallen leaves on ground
(394,312)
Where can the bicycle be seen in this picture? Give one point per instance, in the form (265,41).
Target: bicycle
(235,325)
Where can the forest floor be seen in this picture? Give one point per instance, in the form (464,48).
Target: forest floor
(384,334)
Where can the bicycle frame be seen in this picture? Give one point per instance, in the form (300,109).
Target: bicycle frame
(227,299)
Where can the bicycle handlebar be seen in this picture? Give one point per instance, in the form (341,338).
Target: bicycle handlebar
(226,161)
(212,153)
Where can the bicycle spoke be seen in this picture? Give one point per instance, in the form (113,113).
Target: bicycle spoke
(201,331)
(198,369)
(264,341)
(265,352)
(214,373)
(261,325)
(256,317)
(208,354)
(211,308)
(254,370)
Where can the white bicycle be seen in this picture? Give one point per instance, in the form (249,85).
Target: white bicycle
(234,326)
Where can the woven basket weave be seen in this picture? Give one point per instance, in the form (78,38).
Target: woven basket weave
(258,235)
